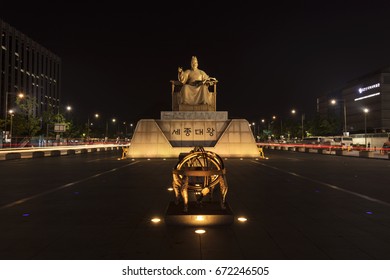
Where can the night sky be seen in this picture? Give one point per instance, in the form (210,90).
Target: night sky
(268,58)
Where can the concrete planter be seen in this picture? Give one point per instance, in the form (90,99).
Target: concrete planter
(366,154)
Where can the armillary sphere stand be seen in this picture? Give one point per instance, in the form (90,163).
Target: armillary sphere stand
(199,171)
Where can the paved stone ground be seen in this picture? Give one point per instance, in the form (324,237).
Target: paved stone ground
(94,206)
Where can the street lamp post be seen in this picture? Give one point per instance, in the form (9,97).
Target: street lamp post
(272,125)
(89,124)
(334,101)
(68,109)
(20,95)
(302,118)
(88,128)
(365,110)
(11,113)
(59,126)
(114,121)
(125,125)
(262,129)
(47,131)
(345,117)
(106,136)
(274,118)
(281,128)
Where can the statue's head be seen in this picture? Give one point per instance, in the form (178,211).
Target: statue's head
(194,62)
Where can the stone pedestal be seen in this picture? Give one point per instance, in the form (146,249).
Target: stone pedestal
(366,154)
(199,214)
(180,132)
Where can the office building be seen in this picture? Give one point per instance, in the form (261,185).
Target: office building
(30,68)
(363,104)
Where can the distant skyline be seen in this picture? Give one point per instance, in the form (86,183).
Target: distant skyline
(118,61)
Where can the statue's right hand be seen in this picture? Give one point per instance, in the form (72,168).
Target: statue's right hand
(180,69)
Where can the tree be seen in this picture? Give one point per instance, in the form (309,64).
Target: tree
(25,123)
(323,126)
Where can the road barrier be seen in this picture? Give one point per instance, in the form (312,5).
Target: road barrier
(326,150)
(11,154)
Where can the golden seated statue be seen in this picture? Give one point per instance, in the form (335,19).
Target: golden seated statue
(191,92)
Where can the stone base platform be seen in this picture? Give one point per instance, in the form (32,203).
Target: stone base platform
(207,213)
(167,138)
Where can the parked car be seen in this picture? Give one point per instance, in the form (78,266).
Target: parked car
(386,147)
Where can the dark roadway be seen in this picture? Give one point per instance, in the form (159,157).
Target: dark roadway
(93,206)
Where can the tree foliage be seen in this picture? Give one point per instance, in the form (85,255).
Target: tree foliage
(25,123)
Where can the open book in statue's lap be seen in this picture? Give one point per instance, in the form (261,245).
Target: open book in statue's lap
(196,93)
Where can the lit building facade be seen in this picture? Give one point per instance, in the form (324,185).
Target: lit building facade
(371,92)
(29,68)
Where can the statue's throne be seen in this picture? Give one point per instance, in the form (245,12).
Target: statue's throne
(176,87)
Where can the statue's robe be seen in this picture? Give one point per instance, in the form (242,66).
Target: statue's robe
(195,94)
